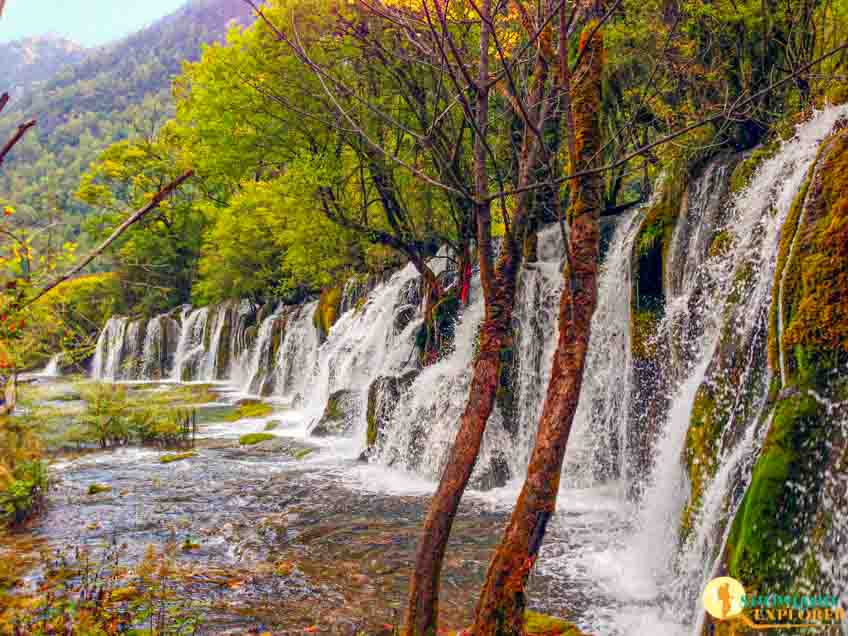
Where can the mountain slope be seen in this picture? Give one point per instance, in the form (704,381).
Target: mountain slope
(28,62)
(118,91)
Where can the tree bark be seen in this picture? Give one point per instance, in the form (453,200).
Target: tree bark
(422,609)
(502,602)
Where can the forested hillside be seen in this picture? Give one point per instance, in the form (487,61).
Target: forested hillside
(118,91)
(29,62)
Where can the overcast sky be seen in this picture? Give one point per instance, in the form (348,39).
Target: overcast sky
(89,22)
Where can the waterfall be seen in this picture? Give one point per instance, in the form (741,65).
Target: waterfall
(723,306)
(260,366)
(598,445)
(536,320)
(110,346)
(365,343)
(298,354)
(190,349)
(52,369)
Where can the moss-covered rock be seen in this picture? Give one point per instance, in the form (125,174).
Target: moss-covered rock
(778,506)
(250,409)
(339,416)
(814,272)
(536,623)
(328,311)
(96,489)
(176,457)
(252,439)
(383,397)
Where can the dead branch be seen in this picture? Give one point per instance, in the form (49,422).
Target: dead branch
(154,203)
(22,130)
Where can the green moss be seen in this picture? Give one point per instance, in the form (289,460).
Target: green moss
(536,623)
(176,457)
(327,311)
(815,273)
(774,511)
(745,169)
(250,409)
(333,411)
(701,445)
(303,453)
(644,327)
(254,438)
(96,489)
(722,242)
(658,225)
(188,545)
(371,418)
(272,425)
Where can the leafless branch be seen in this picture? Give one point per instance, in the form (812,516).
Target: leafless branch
(22,130)
(137,216)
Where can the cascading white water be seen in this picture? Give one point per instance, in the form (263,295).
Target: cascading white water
(52,369)
(598,444)
(734,291)
(536,319)
(715,312)
(110,345)
(190,347)
(298,354)
(260,365)
(364,344)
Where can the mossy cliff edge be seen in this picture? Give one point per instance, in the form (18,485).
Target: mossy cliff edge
(783,529)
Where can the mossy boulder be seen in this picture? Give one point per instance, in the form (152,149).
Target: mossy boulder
(340,414)
(383,398)
(542,624)
(96,489)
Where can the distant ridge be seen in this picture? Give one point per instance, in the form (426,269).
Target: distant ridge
(29,62)
(98,96)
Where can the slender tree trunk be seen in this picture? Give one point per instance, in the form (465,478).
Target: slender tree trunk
(499,287)
(422,610)
(502,601)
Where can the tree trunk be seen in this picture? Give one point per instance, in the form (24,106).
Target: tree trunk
(502,602)
(422,610)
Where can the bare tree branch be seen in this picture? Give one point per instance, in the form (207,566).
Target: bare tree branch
(725,114)
(157,199)
(22,130)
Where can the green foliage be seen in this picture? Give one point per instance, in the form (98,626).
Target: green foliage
(112,418)
(157,261)
(96,489)
(116,92)
(23,494)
